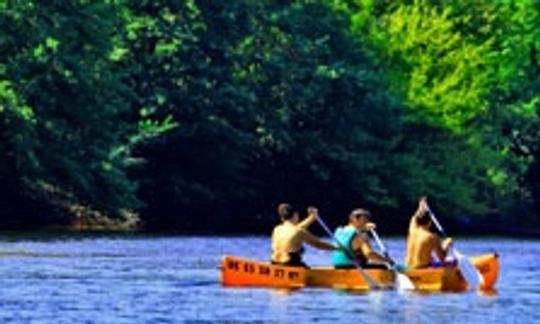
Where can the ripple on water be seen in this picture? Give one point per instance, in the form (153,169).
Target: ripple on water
(174,279)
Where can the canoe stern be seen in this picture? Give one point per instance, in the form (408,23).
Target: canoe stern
(489,268)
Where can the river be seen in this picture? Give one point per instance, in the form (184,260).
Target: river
(143,279)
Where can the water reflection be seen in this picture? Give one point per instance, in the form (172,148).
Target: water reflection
(489,293)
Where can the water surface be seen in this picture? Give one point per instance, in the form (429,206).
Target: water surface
(142,279)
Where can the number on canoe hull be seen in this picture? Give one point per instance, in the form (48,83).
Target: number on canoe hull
(262,270)
(249,268)
(233,265)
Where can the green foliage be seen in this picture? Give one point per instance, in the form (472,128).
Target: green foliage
(461,69)
(62,101)
(441,75)
(270,99)
(226,108)
(508,125)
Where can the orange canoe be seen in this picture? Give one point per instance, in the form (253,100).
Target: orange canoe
(237,271)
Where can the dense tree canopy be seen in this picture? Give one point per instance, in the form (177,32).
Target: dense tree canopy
(207,113)
(62,103)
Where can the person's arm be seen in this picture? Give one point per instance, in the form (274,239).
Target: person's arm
(374,256)
(420,210)
(361,243)
(441,247)
(312,217)
(316,242)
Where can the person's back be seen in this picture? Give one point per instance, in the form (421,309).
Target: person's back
(354,239)
(345,236)
(422,243)
(286,240)
(289,236)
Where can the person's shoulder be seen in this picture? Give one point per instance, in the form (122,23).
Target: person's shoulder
(424,234)
(431,237)
(277,227)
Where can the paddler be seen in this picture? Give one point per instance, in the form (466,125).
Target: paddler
(289,236)
(354,237)
(422,242)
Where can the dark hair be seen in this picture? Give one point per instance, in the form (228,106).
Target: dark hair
(423,219)
(360,212)
(285,211)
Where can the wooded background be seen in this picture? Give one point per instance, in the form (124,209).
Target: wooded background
(203,115)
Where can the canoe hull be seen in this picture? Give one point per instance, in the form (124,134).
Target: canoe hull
(243,272)
(450,278)
(348,279)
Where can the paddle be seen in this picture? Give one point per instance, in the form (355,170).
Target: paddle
(470,273)
(371,283)
(403,282)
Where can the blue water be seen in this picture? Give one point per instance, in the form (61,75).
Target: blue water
(141,279)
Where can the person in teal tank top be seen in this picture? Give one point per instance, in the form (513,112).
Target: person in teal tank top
(354,237)
(345,235)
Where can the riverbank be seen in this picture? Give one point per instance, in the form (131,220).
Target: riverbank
(49,209)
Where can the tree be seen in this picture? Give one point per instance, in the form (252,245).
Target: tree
(62,103)
(275,101)
(452,64)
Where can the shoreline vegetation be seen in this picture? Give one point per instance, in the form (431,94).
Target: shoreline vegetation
(197,116)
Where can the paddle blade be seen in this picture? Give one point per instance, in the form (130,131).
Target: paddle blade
(469,272)
(403,282)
